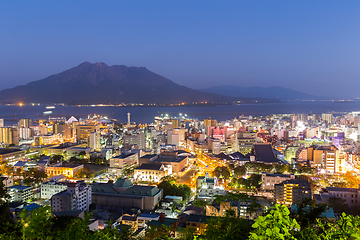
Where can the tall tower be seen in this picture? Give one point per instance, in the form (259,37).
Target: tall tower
(128,115)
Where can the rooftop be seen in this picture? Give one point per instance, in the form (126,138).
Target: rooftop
(197,218)
(123,183)
(150,166)
(166,222)
(264,153)
(135,190)
(170,159)
(20,187)
(8,150)
(339,189)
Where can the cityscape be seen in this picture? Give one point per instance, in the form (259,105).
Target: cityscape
(189,120)
(179,171)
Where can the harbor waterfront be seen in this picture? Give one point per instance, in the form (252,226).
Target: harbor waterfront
(147,114)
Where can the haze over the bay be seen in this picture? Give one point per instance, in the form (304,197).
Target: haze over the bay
(308,46)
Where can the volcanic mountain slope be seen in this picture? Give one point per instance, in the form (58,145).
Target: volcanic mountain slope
(99,83)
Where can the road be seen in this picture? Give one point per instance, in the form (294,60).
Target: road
(186,178)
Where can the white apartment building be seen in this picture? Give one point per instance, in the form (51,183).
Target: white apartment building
(77,196)
(48,189)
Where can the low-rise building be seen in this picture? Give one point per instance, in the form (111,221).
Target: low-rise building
(123,194)
(350,195)
(152,172)
(7,182)
(11,156)
(123,160)
(269,180)
(220,210)
(20,193)
(67,169)
(208,187)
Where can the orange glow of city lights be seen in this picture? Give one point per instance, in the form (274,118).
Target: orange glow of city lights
(20,104)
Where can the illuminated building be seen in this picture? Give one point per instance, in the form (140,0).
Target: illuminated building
(20,193)
(11,156)
(208,187)
(26,123)
(152,172)
(290,153)
(326,157)
(220,210)
(214,145)
(83,132)
(95,141)
(8,182)
(9,135)
(327,118)
(246,141)
(177,160)
(47,139)
(198,222)
(25,133)
(210,122)
(66,169)
(292,191)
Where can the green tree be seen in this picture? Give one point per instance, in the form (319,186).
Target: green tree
(281,168)
(239,171)
(200,203)
(275,225)
(225,173)
(175,190)
(6,223)
(255,180)
(56,158)
(36,224)
(228,227)
(231,166)
(217,172)
(307,213)
(82,154)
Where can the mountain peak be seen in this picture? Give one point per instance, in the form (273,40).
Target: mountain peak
(92,83)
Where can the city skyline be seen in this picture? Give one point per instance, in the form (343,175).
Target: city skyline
(205,43)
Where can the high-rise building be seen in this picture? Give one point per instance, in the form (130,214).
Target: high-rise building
(9,135)
(77,196)
(210,122)
(25,123)
(292,191)
(25,133)
(83,132)
(326,157)
(95,141)
(137,139)
(327,117)
(2,123)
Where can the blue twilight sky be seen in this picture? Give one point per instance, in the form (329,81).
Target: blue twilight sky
(311,46)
